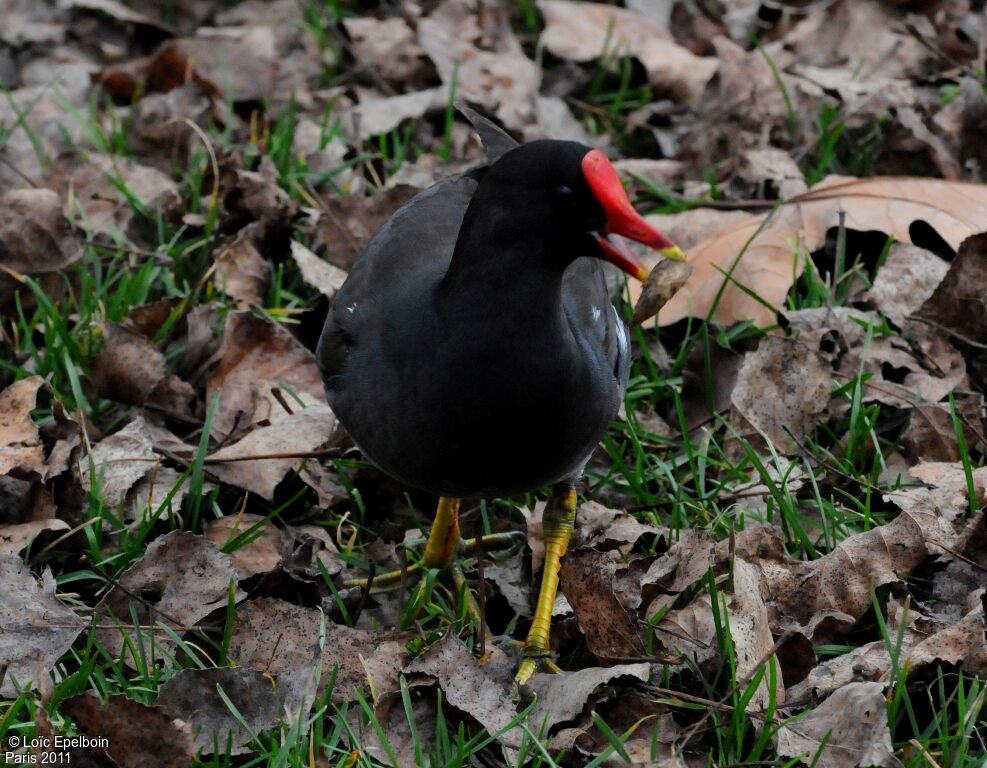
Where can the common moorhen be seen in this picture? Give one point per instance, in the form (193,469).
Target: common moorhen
(473,352)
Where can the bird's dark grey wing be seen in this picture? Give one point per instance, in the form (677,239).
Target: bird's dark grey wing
(495,141)
(586,298)
(416,243)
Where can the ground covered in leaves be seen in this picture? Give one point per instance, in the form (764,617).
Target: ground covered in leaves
(781,551)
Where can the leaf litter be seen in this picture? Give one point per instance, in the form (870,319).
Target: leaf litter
(746,143)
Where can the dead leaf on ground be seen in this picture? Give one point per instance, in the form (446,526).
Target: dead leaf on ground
(374,116)
(37,629)
(511,580)
(297,433)
(603,528)
(760,253)
(21,449)
(476,48)
(466,685)
(118,461)
(258,355)
(962,644)
(193,696)
(241,272)
(35,238)
(322,275)
(387,47)
(347,223)
(390,713)
(180,579)
(311,553)
(110,192)
(768,174)
(907,278)
(587,31)
(130,369)
(923,366)
(560,697)
(865,663)
(782,388)
(586,579)
(931,434)
(847,730)
(137,735)
(945,500)
(692,629)
(264,542)
(283,640)
(161,487)
(959,303)
(15,538)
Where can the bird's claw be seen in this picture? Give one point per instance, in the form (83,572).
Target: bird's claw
(535,660)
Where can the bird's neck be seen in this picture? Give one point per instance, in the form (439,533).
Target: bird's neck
(506,256)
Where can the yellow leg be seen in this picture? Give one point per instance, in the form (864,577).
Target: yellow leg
(558,521)
(440,552)
(443,538)
(391,579)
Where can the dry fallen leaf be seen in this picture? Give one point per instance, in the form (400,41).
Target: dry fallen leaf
(193,696)
(21,449)
(586,580)
(15,538)
(865,663)
(603,528)
(931,434)
(782,388)
(130,369)
(903,371)
(37,629)
(586,31)
(241,272)
(325,277)
(35,237)
(109,192)
(297,433)
(257,356)
(264,542)
(760,253)
(180,579)
(962,644)
(959,303)
(346,224)
(374,116)
(847,730)
(161,491)
(476,48)
(466,684)
(118,461)
(387,46)
(135,735)
(907,278)
(561,697)
(283,640)
(511,580)
(390,713)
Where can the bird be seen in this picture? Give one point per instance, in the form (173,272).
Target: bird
(473,350)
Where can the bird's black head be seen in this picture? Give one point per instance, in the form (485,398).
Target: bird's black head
(568,197)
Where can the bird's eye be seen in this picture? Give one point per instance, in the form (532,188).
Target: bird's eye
(563,191)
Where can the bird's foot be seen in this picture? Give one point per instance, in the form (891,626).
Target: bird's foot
(469,608)
(534,660)
(392,579)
